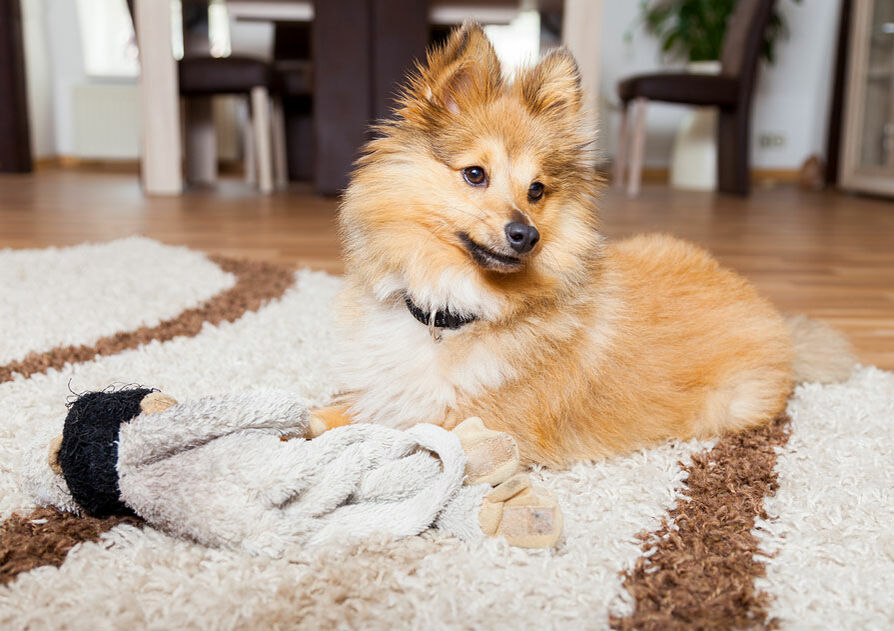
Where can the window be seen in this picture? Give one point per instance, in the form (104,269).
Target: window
(110,46)
(107,39)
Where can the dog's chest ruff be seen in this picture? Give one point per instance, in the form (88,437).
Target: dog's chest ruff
(399,375)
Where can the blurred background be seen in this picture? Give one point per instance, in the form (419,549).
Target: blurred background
(81,69)
(763,130)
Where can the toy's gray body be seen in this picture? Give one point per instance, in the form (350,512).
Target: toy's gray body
(217,470)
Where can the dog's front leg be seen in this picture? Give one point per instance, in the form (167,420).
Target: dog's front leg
(324,419)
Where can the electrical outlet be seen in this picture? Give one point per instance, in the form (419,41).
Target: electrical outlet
(771,140)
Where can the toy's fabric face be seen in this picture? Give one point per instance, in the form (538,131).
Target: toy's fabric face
(88,455)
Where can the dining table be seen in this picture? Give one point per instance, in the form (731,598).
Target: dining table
(360,48)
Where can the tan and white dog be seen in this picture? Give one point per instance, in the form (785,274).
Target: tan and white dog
(478,283)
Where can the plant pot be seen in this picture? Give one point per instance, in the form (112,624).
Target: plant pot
(694,156)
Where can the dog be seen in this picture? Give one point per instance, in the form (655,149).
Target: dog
(478,284)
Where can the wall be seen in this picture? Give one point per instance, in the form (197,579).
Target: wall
(67,67)
(792,97)
(40,80)
(105,121)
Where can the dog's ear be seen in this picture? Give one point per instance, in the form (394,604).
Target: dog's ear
(463,71)
(552,87)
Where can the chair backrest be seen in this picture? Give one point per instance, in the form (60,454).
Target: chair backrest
(743,41)
(193,11)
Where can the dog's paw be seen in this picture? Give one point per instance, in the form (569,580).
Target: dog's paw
(316,426)
(322,420)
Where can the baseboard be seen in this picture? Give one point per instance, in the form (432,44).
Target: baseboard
(772,176)
(126,165)
(650,175)
(661,175)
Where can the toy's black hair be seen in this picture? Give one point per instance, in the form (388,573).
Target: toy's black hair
(89,452)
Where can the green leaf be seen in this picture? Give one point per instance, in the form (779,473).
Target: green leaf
(694,29)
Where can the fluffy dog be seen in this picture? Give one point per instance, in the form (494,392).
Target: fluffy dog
(478,284)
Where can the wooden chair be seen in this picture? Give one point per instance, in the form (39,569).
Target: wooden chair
(731,91)
(201,77)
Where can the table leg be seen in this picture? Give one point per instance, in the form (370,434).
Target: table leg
(342,95)
(160,154)
(15,138)
(399,36)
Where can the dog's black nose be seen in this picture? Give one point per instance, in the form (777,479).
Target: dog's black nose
(522,237)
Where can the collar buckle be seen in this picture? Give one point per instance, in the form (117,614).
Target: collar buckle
(433,329)
(437,321)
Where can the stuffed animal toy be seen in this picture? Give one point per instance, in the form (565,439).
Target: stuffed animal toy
(241,471)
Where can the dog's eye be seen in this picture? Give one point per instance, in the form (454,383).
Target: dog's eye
(535,191)
(475,176)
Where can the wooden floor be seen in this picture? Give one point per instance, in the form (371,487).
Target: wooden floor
(824,254)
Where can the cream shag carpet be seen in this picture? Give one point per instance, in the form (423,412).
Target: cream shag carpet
(791,525)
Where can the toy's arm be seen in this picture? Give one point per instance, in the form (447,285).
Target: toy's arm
(152,437)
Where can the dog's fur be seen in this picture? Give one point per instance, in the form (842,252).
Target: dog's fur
(580,349)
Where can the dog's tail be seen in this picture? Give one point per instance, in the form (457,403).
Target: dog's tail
(822,354)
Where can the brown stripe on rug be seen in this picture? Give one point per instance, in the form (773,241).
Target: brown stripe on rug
(256,284)
(697,570)
(45,537)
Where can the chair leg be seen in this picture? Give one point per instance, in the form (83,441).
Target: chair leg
(260,120)
(637,146)
(621,151)
(733,136)
(201,141)
(280,163)
(248,151)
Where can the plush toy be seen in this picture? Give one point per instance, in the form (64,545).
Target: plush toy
(241,471)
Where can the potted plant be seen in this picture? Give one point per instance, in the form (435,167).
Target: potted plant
(693,30)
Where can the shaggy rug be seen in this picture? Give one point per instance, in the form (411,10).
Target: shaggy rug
(790,526)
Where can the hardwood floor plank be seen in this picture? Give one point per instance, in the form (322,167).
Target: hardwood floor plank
(828,255)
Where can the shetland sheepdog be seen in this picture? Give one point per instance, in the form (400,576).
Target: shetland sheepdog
(478,283)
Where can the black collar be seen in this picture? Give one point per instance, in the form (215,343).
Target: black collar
(442,319)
